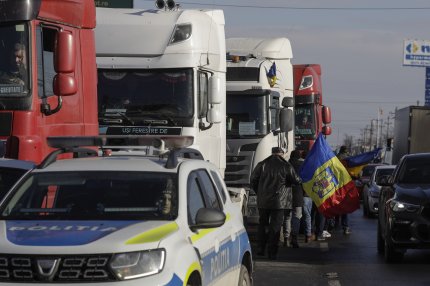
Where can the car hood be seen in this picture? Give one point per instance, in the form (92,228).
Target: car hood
(414,194)
(82,236)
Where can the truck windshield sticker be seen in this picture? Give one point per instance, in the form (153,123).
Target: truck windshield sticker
(247,128)
(143,130)
(10,88)
(61,233)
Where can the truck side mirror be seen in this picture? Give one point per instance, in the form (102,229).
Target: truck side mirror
(213,116)
(288,102)
(286,120)
(326,115)
(65,53)
(215,90)
(326,130)
(64,85)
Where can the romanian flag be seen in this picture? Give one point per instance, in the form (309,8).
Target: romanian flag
(271,75)
(355,164)
(327,182)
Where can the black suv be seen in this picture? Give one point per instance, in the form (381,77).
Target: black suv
(404,212)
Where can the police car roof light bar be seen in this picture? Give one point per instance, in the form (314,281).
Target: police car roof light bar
(121,141)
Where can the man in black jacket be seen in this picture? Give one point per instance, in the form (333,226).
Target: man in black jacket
(291,223)
(271,180)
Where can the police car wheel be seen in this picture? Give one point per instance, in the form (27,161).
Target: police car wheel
(194,281)
(244,279)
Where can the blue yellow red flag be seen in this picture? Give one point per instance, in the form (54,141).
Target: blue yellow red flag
(327,181)
(271,75)
(354,164)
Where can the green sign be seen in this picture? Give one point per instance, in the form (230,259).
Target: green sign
(114,3)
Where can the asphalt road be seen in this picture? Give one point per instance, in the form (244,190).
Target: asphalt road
(342,260)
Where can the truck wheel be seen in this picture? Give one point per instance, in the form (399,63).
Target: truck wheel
(392,255)
(380,243)
(244,278)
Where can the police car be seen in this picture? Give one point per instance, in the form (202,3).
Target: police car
(134,220)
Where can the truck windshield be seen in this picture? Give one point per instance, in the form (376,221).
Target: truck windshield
(305,121)
(246,116)
(146,92)
(14,71)
(94,195)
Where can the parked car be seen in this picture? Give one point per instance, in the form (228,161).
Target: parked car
(124,218)
(371,190)
(11,171)
(404,208)
(364,178)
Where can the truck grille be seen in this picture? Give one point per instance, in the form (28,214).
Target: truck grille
(238,169)
(81,268)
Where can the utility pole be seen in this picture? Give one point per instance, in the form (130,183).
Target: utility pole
(371,133)
(389,117)
(379,122)
(367,141)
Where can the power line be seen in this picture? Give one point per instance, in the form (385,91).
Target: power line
(302,8)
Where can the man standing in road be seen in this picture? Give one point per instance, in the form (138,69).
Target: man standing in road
(271,180)
(343,153)
(291,224)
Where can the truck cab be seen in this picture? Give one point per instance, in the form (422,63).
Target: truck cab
(311,116)
(47,80)
(162,72)
(259,94)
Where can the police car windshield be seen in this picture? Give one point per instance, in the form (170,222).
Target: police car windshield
(8,177)
(94,196)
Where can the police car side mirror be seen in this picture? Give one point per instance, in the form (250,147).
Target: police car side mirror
(208,218)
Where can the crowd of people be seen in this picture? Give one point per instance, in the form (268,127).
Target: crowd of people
(284,205)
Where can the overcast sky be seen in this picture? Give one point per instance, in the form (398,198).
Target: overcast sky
(360,49)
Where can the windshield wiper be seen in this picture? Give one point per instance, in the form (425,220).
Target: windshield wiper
(153,118)
(114,115)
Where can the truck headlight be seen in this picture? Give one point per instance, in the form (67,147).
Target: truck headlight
(398,206)
(132,265)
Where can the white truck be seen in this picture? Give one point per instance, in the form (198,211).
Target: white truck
(162,72)
(259,108)
(410,137)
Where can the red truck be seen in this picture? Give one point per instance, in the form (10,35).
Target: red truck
(311,116)
(48,76)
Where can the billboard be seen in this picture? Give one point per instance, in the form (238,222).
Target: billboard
(114,3)
(416,53)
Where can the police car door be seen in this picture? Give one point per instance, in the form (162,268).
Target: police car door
(215,260)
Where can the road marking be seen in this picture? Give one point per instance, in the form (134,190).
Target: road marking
(334,283)
(332,276)
(324,246)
